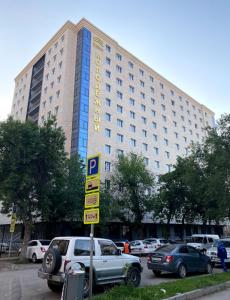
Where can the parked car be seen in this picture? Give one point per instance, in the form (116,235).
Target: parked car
(36,249)
(203,241)
(157,242)
(212,251)
(109,264)
(4,247)
(179,259)
(141,247)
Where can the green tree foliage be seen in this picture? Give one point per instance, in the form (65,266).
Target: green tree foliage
(31,163)
(131,189)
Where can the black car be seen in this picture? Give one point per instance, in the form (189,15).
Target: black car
(180,259)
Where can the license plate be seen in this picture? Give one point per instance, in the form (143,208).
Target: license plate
(156,259)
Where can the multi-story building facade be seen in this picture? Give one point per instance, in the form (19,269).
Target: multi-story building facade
(107,100)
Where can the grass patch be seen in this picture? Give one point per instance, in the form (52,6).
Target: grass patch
(164,290)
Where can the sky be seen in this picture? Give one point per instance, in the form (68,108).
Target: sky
(186,41)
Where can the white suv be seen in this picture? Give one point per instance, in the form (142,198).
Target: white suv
(109,264)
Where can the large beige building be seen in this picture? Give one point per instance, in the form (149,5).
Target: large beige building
(107,100)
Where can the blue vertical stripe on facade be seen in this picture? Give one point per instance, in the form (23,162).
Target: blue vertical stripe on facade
(81,94)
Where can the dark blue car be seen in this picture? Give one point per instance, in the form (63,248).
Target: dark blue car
(179,259)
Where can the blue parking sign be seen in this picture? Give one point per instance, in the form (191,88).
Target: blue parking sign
(93,165)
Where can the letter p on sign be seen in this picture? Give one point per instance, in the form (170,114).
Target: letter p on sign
(93,166)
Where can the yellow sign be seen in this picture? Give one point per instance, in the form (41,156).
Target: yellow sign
(92,200)
(13,222)
(91,216)
(92,185)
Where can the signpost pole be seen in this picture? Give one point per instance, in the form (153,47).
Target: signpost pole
(91,262)
(11,236)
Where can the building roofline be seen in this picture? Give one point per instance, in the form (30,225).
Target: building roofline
(85,23)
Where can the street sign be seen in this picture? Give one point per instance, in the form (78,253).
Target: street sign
(92,200)
(92,185)
(93,166)
(91,216)
(13,222)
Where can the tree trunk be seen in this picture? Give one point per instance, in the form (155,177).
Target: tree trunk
(26,238)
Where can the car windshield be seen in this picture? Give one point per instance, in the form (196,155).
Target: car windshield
(119,244)
(166,248)
(225,243)
(197,239)
(45,242)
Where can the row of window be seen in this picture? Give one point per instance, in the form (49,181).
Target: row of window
(168,167)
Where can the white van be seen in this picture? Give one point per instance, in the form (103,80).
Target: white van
(203,241)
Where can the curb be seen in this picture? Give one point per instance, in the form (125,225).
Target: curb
(201,292)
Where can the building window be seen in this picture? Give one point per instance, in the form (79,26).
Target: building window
(144,133)
(185,139)
(131,101)
(131,77)
(152,90)
(143,107)
(132,114)
(164,118)
(177,146)
(184,128)
(165,129)
(119,81)
(146,161)
(59,78)
(174,113)
(119,57)
(108,48)
(141,72)
(107,149)
(157,164)
(142,95)
(130,64)
(151,78)
(153,101)
(108,117)
(131,89)
(119,95)
(108,101)
(163,107)
(175,123)
(119,69)
(155,137)
(107,166)
(172,92)
(133,142)
(60,64)
(50,98)
(119,123)
(145,146)
(168,167)
(119,109)
(132,128)
(142,83)
(108,60)
(58,93)
(154,124)
(182,118)
(108,87)
(156,150)
(161,85)
(120,138)
(61,51)
(162,96)
(107,73)
(166,142)
(144,120)
(176,135)
(153,113)
(120,152)
(108,132)
(167,154)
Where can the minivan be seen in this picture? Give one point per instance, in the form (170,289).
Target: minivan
(203,241)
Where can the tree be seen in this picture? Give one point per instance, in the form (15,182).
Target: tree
(31,161)
(132,186)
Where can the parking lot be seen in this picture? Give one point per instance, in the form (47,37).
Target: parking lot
(21,281)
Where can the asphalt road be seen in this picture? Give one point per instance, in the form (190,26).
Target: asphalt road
(24,284)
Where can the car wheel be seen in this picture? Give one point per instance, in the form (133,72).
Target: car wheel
(209,268)
(182,272)
(157,273)
(133,277)
(54,286)
(52,261)
(34,258)
(86,285)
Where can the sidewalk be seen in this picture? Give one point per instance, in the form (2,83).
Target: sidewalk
(12,264)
